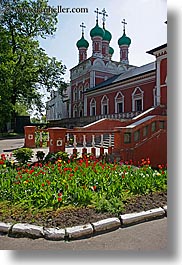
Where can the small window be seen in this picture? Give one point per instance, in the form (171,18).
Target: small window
(105,109)
(137,136)
(93,113)
(127,138)
(145,131)
(138,105)
(153,126)
(120,107)
(161,124)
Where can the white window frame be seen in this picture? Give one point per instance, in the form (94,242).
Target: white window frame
(136,97)
(75,94)
(86,86)
(80,108)
(104,98)
(92,105)
(74,111)
(119,98)
(80,92)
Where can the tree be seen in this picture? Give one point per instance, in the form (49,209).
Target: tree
(25,68)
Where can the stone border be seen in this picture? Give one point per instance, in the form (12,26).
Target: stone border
(81,231)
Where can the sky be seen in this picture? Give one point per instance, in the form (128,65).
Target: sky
(145,26)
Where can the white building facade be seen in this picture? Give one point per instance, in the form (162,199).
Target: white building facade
(59,107)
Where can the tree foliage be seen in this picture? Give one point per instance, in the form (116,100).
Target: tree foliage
(25,68)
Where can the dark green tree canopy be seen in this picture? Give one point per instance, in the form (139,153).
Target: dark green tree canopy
(25,68)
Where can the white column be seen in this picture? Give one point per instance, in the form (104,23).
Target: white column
(102,140)
(85,105)
(158,92)
(93,140)
(84,141)
(92,77)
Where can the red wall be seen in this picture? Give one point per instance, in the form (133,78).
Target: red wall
(127,93)
(155,149)
(163,71)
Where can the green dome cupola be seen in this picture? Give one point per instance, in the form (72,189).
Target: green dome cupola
(107,35)
(111,50)
(97,31)
(124,43)
(82,43)
(82,46)
(124,40)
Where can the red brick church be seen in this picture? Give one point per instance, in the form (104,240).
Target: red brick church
(118,100)
(101,86)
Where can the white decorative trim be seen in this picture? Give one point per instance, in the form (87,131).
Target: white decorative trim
(158,83)
(30,136)
(104,98)
(59,142)
(137,97)
(119,98)
(162,52)
(92,105)
(85,105)
(154,97)
(74,111)
(123,86)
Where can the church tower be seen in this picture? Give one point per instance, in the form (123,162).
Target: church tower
(124,43)
(97,35)
(82,46)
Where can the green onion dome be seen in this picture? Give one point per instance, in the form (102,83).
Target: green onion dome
(107,35)
(111,50)
(82,43)
(97,31)
(124,40)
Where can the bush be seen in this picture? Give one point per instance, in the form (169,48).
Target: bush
(23,155)
(62,156)
(40,155)
(52,157)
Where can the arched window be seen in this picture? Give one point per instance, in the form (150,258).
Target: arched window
(104,105)
(119,103)
(86,86)
(75,94)
(74,111)
(137,99)
(80,110)
(92,107)
(80,92)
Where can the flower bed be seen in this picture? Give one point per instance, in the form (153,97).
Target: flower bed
(77,182)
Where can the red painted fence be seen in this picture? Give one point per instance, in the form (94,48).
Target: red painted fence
(141,139)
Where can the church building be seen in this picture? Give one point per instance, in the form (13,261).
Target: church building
(106,88)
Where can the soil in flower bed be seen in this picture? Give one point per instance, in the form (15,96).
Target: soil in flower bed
(77,216)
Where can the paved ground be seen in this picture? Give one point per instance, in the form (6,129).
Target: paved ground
(7,145)
(147,236)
